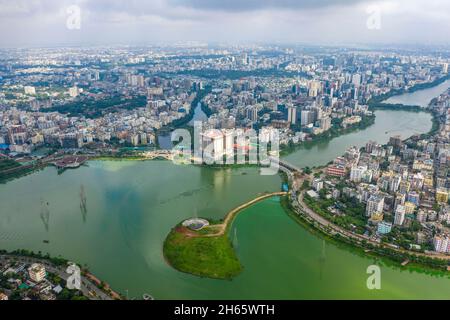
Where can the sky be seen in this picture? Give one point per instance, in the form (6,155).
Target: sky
(134,22)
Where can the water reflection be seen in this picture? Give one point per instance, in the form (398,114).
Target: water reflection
(83,205)
(45,214)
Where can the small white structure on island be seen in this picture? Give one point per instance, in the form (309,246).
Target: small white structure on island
(195,223)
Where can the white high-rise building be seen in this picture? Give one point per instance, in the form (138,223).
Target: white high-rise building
(356,173)
(306,117)
(356,80)
(441,243)
(399,215)
(445,68)
(375,205)
(314,88)
(292,115)
(37,272)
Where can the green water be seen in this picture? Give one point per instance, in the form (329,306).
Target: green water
(421,97)
(132,205)
(387,123)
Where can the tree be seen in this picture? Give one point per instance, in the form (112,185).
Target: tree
(305,185)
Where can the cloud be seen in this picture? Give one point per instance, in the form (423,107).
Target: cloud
(43,22)
(251,5)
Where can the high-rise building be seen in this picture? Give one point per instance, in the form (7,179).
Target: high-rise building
(314,88)
(399,215)
(325,123)
(252,113)
(356,173)
(307,117)
(356,80)
(374,205)
(441,243)
(441,195)
(292,115)
(445,68)
(37,272)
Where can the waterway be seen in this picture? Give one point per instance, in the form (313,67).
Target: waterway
(130,207)
(421,97)
(164,140)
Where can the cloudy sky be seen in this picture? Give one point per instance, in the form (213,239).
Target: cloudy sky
(57,22)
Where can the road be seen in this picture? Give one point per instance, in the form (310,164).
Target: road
(300,207)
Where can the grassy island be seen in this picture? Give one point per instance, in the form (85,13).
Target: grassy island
(207,252)
(197,253)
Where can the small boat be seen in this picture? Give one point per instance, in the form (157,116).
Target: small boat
(46,241)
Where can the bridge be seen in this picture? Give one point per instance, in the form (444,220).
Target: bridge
(163,154)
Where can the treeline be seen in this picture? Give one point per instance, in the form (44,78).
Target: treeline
(91,108)
(378,99)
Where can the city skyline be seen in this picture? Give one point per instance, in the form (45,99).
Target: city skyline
(48,22)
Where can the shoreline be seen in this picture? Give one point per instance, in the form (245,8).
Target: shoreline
(58,262)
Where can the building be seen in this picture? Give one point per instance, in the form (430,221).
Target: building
(325,123)
(399,215)
(252,113)
(29,90)
(292,115)
(73,92)
(441,243)
(336,170)
(155,91)
(395,141)
(307,117)
(350,121)
(356,80)
(356,173)
(441,195)
(384,227)
(3,296)
(414,197)
(409,207)
(374,205)
(37,272)
(421,216)
(314,88)
(317,184)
